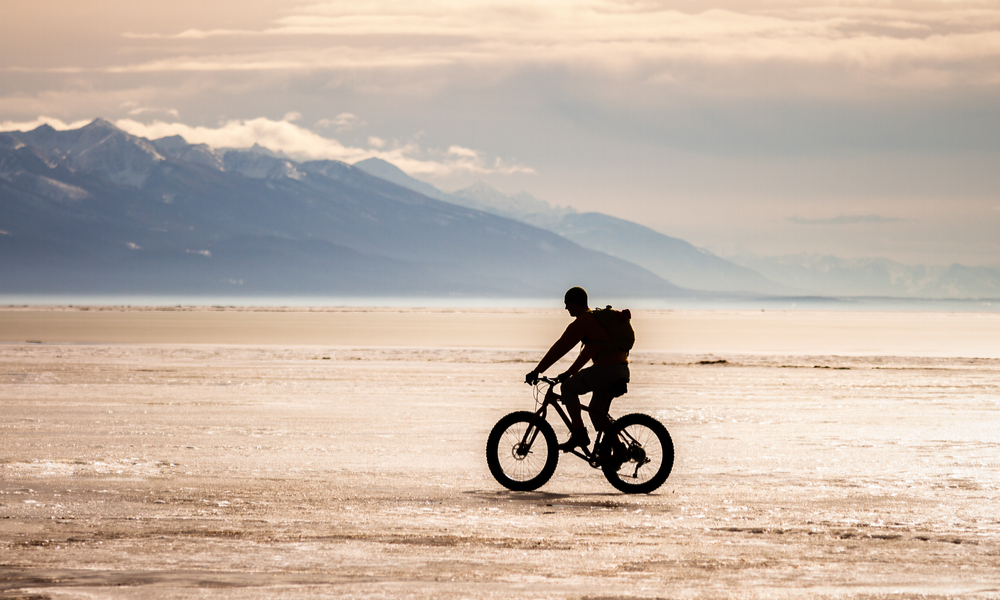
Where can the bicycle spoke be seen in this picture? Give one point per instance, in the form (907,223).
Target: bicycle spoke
(518,462)
(651,455)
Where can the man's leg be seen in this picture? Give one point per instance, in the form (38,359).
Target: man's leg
(600,403)
(601,380)
(571,390)
(591,379)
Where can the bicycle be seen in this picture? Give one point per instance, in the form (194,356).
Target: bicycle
(636,453)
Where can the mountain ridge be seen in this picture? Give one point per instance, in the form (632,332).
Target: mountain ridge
(136,217)
(684,264)
(671,258)
(873,276)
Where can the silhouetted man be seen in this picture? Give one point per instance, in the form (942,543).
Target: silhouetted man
(609,371)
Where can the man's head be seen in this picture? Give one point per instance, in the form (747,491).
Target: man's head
(576,301)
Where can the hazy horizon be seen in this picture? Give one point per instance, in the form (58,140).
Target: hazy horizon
(859,130)
(721,303)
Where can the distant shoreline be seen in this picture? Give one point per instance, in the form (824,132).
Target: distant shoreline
(318,303)
(708,332)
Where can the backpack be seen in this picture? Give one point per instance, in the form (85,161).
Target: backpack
(618,325)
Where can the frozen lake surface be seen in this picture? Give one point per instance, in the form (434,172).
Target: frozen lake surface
(265,470)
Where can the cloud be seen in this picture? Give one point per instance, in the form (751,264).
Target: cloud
(54,123)
(134,109)
(463,152)
(187,34)
(850,220)
(342,122)
(773,48)
(303,144)
(898,40)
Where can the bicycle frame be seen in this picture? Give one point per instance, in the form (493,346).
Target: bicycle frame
(553,399)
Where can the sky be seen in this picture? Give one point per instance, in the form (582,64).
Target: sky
(852,128)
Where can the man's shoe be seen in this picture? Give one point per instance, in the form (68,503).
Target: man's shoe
(577,437)
(615,453)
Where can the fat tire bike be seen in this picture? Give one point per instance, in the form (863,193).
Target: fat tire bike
(636,453)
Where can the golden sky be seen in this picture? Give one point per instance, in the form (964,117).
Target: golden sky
(854,128)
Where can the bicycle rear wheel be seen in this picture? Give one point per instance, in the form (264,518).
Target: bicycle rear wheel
(522,451)
(642,454)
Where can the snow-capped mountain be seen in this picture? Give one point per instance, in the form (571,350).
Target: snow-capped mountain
(96,210)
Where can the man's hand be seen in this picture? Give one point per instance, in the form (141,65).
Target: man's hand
(531,378)
(563,376)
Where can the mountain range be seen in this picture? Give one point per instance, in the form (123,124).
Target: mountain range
(688,266)
(672,259)
(97,210)
(874,277)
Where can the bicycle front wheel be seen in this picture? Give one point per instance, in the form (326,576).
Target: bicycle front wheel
(641,454)
(522,451)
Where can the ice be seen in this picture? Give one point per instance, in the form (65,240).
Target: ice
(260,471)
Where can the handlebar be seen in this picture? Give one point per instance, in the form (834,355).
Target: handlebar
(535,379)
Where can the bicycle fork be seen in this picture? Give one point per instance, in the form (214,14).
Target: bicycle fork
(531,433)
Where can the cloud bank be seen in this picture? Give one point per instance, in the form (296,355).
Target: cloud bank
(924,44)
(34,124)
(302,144)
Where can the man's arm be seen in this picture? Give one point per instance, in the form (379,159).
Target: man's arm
(587,353)
(570,338)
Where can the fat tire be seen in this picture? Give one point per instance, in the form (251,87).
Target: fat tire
(655,441)
(530,472)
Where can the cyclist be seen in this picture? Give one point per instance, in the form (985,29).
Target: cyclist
(604,378)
